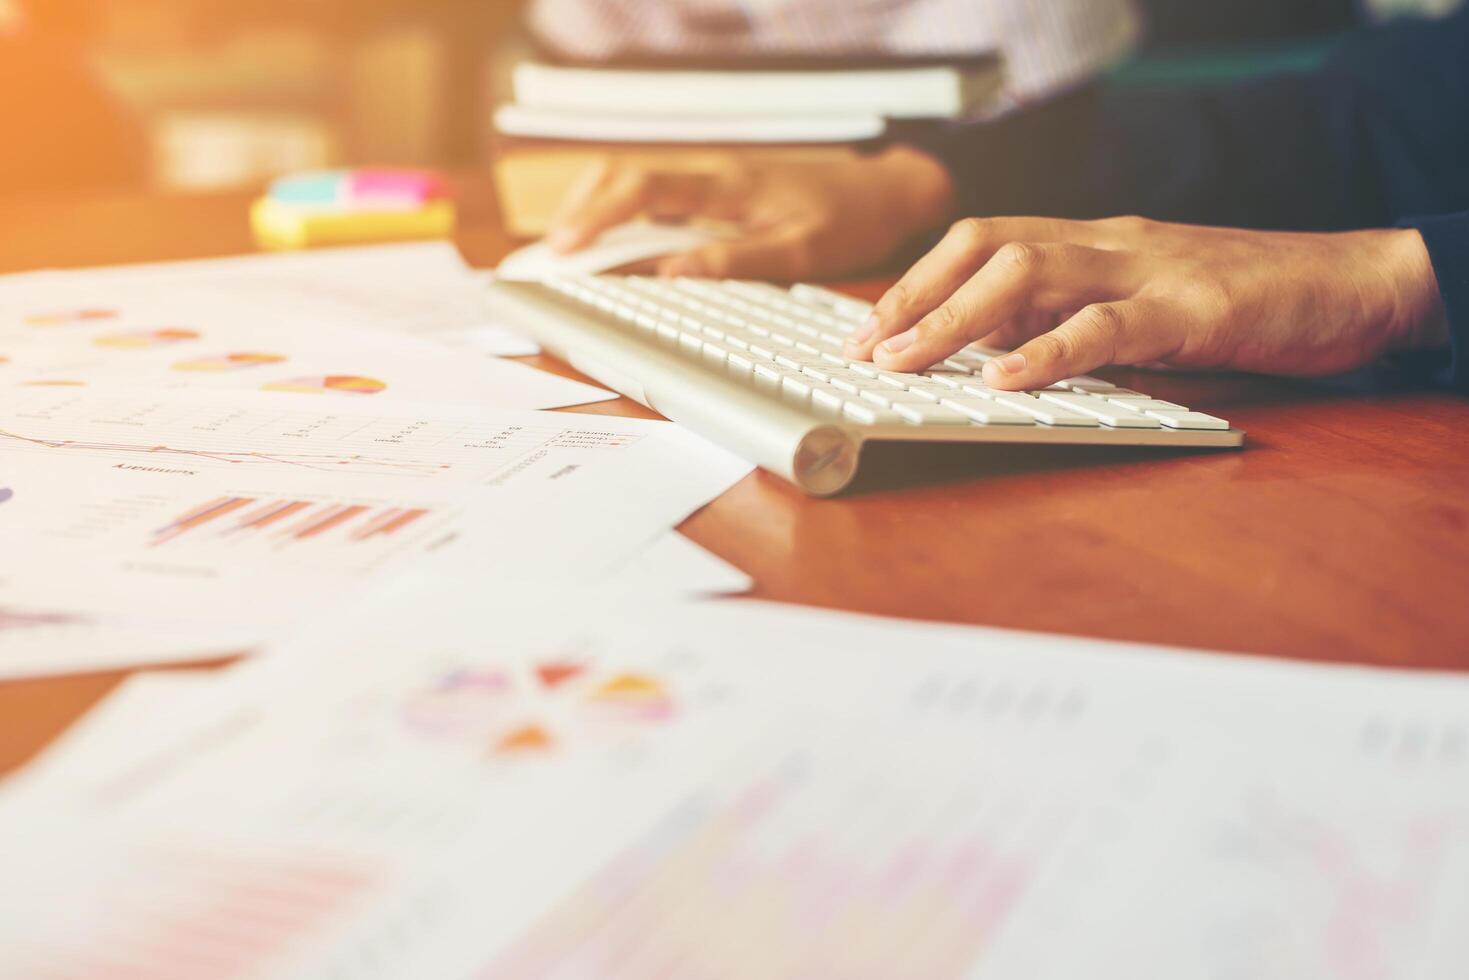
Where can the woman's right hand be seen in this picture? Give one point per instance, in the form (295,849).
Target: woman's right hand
(795,220)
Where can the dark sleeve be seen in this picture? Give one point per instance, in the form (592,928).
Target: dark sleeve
(1380,133)
(1447,238)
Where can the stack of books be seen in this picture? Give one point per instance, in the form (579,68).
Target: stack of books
(564,114)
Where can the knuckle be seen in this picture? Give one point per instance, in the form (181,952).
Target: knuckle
(1128,223)
(1055,348)
(969,232)
(1101,319)
(1019,257)
(899,297)
(945,321)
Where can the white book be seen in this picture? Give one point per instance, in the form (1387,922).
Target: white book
(528,122)
(928,92)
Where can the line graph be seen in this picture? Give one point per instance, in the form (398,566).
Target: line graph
(313,461)
(249,430)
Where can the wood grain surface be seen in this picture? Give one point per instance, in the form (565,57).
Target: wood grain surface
(1340,533)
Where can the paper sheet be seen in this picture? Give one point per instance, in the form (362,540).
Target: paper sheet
(347,324)
(235,514)
(674,565)
(142,716)
(740,789)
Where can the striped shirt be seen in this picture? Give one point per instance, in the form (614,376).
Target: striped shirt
(1047,45)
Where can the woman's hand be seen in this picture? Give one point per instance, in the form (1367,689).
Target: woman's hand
(797,220)
(1071,296)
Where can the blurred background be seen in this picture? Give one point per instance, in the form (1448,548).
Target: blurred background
(205,94)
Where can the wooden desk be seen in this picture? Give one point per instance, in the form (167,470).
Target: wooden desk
(1340,533)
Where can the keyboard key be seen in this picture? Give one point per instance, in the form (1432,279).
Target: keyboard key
(971,359)
(767,377)
(1146,404)
(714,355)
(1085,383)
(949,379)
(1043,411)
(927,413)
(846,306)
(797,389)
(894,396)
(1189,420)
(828,401)
(981,390)
(1108,413)
(898,380)
(796,360)
(987,411)
(932,393)
(869,414)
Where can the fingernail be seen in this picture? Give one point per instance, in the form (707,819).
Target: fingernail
(862,333)
(561,239)
(1012,363)
(900,343)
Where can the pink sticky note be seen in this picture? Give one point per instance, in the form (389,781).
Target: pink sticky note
(406,188)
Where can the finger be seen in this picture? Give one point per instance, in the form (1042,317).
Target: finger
(967,246)
(610,196)
(1099,334)
(780,254)
(672,196)
(1025,326)
(1019,280)
(588,184)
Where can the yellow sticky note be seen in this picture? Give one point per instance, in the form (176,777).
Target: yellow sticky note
(283,227)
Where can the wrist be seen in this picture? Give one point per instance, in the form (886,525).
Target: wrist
(1418,320)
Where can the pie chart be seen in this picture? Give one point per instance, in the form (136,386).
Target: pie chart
(229,362)
(344,383)
(138,339)
(631,697)
(62,318)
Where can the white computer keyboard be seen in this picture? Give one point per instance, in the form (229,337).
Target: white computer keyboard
(729,357)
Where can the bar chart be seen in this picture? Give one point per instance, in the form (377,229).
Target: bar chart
(287,521)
